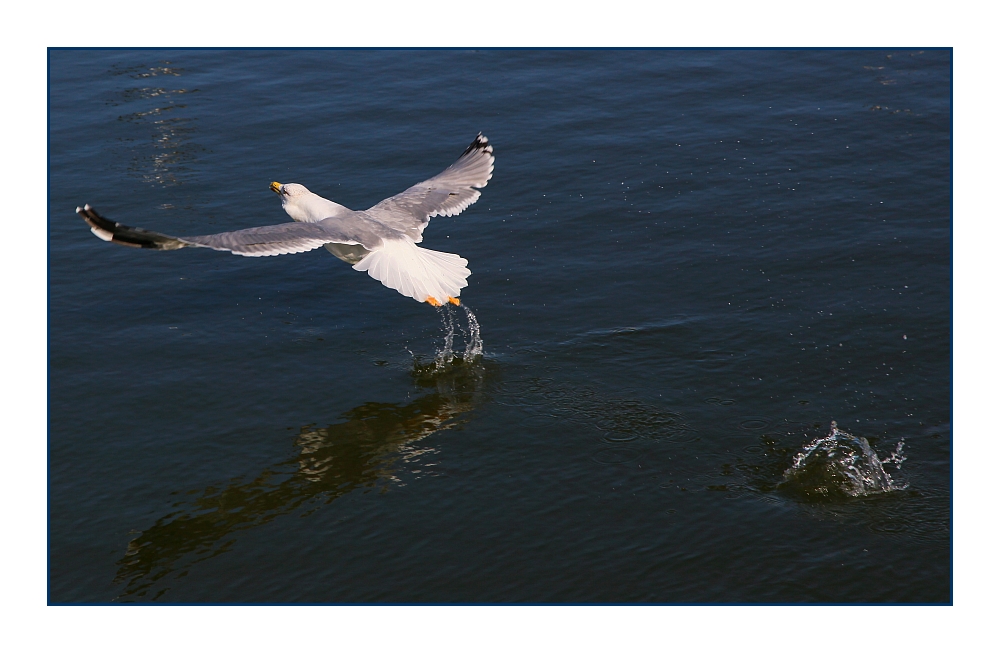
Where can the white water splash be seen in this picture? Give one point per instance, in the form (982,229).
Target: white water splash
(474,344)
(453,324)
(842,464)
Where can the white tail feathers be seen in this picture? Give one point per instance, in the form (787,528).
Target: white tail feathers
(416,272)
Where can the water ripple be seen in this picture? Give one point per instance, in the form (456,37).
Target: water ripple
(619,420)
(754,423)
(615,456)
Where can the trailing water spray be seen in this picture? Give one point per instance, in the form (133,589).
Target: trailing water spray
(457,322)
(474,343)
(452,324)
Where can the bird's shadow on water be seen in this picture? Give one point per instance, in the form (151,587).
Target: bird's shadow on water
(370,447)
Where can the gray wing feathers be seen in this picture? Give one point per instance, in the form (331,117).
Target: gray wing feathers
(448,193)
(272,240)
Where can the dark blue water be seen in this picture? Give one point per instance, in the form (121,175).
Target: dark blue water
(686,266)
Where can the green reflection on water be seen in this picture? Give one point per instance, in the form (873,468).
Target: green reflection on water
(367,449)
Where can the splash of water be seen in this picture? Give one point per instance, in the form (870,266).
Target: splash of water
(446,354)
(841,465)
(460,324)
(474,342)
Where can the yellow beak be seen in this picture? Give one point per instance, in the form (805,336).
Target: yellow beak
(276,187)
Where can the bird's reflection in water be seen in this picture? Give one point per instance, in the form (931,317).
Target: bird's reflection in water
(370,448)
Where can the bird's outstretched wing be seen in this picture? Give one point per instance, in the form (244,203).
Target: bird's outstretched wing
(272,240)
(448,193)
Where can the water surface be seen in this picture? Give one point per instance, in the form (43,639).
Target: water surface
(688,264)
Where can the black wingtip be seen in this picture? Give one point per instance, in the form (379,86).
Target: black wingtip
(95,220)
(120,234)
(480,143)
(101,227)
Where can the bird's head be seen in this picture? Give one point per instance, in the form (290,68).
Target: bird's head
(289,191)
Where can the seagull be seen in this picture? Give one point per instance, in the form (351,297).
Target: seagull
(381,241)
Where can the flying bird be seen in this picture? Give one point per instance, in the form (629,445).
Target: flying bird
(381,241)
